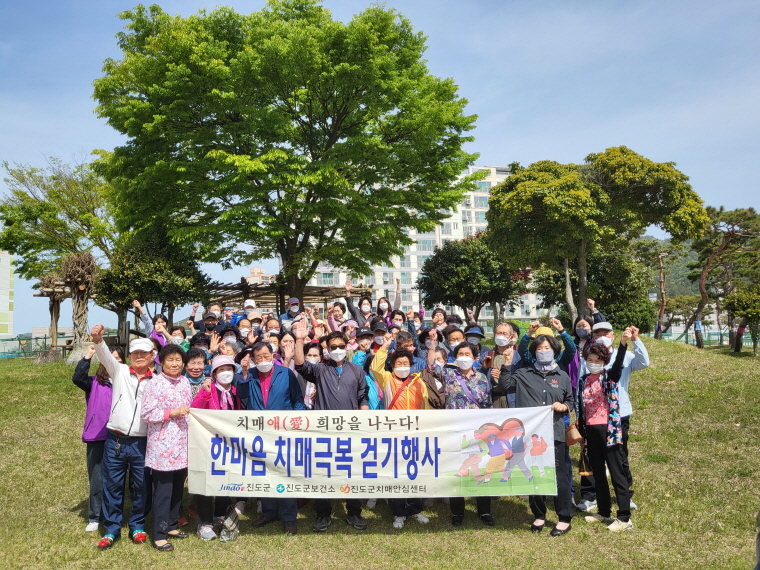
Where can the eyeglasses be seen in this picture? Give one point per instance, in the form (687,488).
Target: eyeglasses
(338,347)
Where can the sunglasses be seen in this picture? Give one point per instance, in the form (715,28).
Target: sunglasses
(338,347)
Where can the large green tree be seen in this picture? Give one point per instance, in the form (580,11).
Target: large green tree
(283,132)
(745,303)
(556,213)
(466,274)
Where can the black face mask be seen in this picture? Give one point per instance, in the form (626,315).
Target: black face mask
(210,326)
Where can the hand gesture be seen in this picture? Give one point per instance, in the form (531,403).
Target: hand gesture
(228,315)
(557,324)
(136,304)
(196,306)
(159,328)
(90,352)
(533,327)
(214,344)
(97,333)
(300,330)
(433,335)
(350,328)
(309,310)
(206,384)
(398,281)
(316,309)
(181,411)
(627,335)
(251,338)
(394,333)
(348,287)
(387,339)
(487,361)
(470,313)
(245,363)
(287,351)
(319,330)
(591,304)
(191,325)
(409,315)
(634,333)
(364,344)
(495,373)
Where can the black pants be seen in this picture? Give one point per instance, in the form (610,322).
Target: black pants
(457,505)
(94,459)
(405,507)
(167,498)
(324,507)
(210,507)
(563,503)
(599,454)
(588,485)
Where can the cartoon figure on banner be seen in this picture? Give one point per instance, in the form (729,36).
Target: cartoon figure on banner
(537,448)
(501,443)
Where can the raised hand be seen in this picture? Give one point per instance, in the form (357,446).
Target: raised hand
(348,287)
(287,351)
(634,333)
(433,335)
(97,333)
(214,344)
(196,306)
(627,335)
(90,352)
(206,384)
(319,330)
(228,315)
(557,324)
(364,344)
(591,304)
(387,339)
(300,330)
(533,327)
(409,315)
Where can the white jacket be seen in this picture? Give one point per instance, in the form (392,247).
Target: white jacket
(126,401)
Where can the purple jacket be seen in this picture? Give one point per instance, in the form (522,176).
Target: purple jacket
(98,398)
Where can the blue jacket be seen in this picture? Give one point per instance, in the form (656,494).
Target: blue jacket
(284,391)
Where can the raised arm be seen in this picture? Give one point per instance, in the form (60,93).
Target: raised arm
(377,366)
(640,354)
(616,371)
(397,300)
(81,377)
(104,355)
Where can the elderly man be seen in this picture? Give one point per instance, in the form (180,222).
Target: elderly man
(271,387)
(341,385)
(126,440)
(638,360)
(294,309)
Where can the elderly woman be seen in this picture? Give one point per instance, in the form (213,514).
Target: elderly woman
(545,384)
(465,388)
(166,403)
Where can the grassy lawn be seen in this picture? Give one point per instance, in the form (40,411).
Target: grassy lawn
(694,454)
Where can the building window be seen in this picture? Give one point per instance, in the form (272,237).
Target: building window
(483,186)
(425,245)
(404,261)
(406,295)
(488,311)
(421,259)
(466,216)
(467,230)
(406,278)
(326,279)
(446,228)
(387,278)
(480,217)
(481,202)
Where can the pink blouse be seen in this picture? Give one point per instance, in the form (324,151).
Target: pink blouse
(167,437)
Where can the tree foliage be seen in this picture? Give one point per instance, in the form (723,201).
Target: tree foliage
(52,212)
(466,274)
(282,131)
(745,303)
(550,212)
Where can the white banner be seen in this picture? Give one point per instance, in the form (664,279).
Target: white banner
(372,453)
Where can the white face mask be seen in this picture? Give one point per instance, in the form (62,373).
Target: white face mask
(383,306)
(366,309)
(594,368)
(464,362)
(217,314)
(245,332)
(604,341)
(338,355)
(313,360)
(274,331)
(230,338)
(399,324)
(440,327)
(402,371)
(178,339)
(502,341)
(379,340)
(265,366)
(294,308)
(225,376)
(473,340)
(453,345)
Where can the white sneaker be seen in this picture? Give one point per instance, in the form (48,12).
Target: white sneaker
(240,507)
(598,518)
(586,506)
(422,519)
(91,527)
(398,522)
(619,526)
(205,532)
(371,505)
(633,506)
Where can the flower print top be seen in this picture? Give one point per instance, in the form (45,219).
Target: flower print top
(462,393)
(167,437)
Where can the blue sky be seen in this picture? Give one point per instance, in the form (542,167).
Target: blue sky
(675,81)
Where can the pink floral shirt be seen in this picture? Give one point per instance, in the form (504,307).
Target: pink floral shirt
(167,437)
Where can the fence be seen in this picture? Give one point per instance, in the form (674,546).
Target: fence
(709,338)
(20,346)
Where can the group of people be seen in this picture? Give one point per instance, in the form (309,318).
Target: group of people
(360,355)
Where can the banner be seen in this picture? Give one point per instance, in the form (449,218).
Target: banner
(372,453)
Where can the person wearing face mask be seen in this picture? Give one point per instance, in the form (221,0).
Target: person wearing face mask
(454,337)
(465,388)
(178,337)
(363,314)
(166,404)
(341,385)
(439,319)
(294,309)
(474,335)
(313,355)
(213,309)
(194,369)
(566,355)
(384,308)
(249,306)
(599,422)
(545,384)
(397,318)
(362,356)
(268,386)
(336,317)
(602,333)
(403,390)
(503,354)
(217,393)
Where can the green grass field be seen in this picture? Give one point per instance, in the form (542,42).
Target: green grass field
(694,454)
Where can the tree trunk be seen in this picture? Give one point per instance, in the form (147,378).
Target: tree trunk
(663,300)
(582,279)
(79,305)
(54,303)
(730,325)
(569,292)
(498,314)
(170,315)
(717,318)
(739,340)
(122,329)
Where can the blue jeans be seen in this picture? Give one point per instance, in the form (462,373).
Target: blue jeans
(285,510)
(131,458)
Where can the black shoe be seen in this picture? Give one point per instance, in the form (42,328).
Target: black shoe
(261,521)
(487,520)
(290,528)
(537,527)
(164,547)
(357,521)
(179,534)
(322,523)
(556,532)
(456,520)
